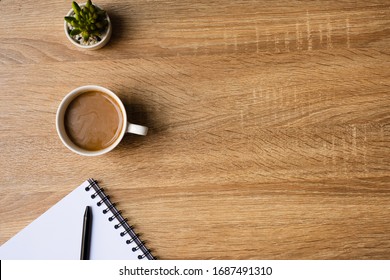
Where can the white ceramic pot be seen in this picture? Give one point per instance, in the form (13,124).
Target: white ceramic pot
(104,39)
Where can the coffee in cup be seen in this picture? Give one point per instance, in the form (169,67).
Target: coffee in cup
(92,120)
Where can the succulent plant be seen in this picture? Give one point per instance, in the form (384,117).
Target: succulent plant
(89,21)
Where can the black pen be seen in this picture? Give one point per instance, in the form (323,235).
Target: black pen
(86,235)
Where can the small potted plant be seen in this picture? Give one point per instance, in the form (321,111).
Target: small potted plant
(87,26)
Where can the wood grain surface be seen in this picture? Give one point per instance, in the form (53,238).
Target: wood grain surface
(269,124)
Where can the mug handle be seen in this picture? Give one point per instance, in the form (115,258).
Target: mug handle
(136,129)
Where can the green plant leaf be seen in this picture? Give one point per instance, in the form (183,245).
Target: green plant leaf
(89,4)
(101,13)
(75,32)
(76,7)
(69,19)
(85,36)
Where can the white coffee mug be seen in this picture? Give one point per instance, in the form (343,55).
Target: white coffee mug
(60,123)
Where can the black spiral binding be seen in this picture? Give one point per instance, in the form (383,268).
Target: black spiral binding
(126,229)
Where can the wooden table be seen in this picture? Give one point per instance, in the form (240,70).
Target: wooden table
(269,124)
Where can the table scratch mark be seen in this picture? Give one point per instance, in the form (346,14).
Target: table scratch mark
(308,29)
(347,30)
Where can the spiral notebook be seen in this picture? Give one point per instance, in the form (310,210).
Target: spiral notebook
(56,234)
